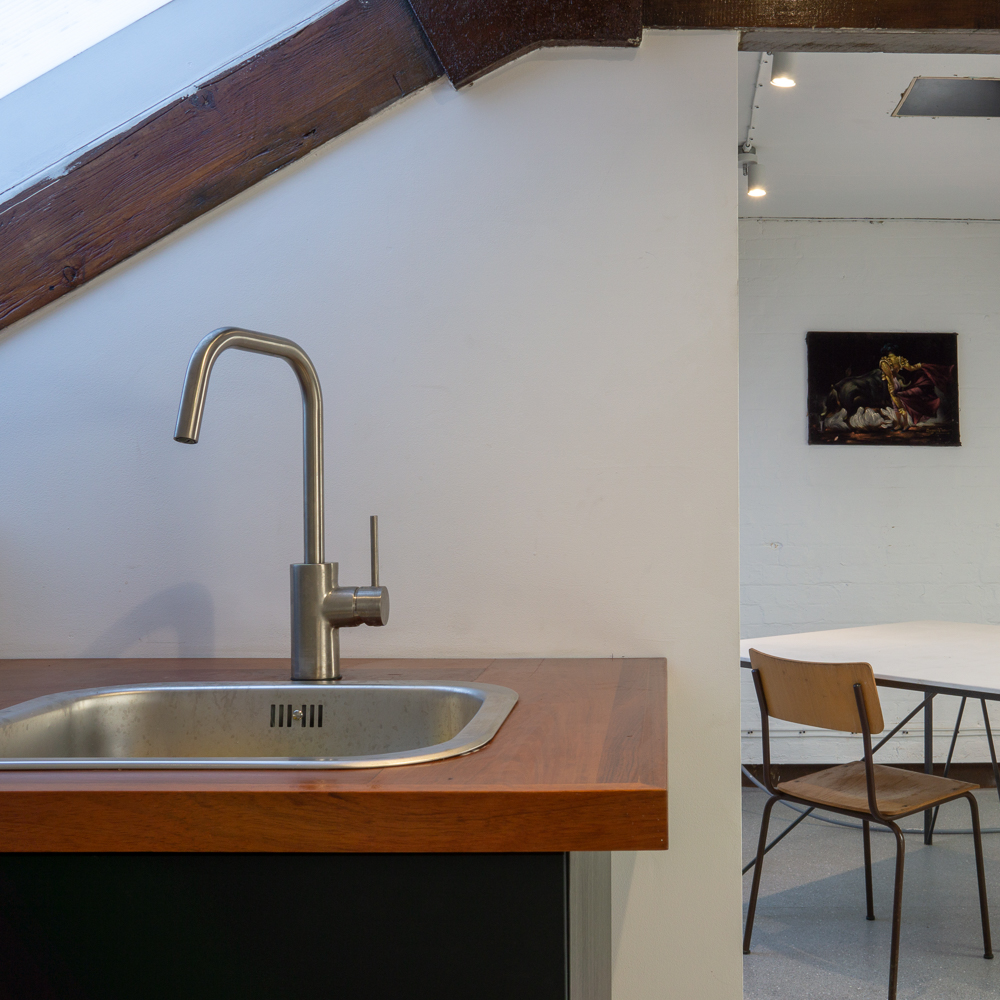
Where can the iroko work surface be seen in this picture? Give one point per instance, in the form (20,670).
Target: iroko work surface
(579,765)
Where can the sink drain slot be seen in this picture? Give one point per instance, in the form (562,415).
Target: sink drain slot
(286,716)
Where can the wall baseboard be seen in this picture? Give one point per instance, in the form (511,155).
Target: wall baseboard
(981,774)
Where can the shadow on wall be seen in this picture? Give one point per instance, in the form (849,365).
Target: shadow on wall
(186,609)
(622,873)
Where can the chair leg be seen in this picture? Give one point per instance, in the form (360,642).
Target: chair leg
(868,869)
(983,908)
(761,844)
(897,909)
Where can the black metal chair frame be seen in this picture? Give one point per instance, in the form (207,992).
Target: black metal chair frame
(872,815)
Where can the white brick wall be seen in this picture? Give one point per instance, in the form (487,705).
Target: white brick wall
(834,537)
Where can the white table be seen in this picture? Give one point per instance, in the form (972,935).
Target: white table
(932,657)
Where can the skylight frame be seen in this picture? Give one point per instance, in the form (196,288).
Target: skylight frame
(906,94)
(39,35)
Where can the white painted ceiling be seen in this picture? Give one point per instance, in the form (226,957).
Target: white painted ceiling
(831,148)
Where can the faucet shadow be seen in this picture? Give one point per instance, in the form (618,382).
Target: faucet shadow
(187,608)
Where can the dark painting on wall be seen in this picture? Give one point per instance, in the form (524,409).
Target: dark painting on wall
(883,388)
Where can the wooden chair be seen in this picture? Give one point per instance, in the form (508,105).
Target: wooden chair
(843,696)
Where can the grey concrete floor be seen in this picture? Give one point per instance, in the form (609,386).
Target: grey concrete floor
(811,938)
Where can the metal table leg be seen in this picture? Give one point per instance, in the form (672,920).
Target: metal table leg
(929,763)
(993,752)
(951,753)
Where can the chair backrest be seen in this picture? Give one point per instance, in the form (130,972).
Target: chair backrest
(818,694)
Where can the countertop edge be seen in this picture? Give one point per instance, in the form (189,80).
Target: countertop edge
(631,819)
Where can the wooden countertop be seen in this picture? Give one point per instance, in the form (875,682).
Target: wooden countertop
(579,765)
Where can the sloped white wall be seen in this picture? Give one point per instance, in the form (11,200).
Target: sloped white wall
(521,299)
(835,537)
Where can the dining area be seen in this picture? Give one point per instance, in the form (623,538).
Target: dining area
(829,680)
(869,538)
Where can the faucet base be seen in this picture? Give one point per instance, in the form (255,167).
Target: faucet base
(320,609)
(315,642)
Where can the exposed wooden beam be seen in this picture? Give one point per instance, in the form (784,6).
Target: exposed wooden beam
(886,15)
(472,37)
(200,151)
(254,119)
(867,40)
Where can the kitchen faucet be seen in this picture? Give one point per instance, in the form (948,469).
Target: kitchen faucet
(320,607)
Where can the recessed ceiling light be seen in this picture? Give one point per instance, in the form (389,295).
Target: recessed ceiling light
(950,97)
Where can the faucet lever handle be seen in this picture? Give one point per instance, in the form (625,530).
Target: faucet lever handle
(374,540)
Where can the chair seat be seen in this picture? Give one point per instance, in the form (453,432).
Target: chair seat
(898,792)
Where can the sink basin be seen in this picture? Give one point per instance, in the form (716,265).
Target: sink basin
(252,725)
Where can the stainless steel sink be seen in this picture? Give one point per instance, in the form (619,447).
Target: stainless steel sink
(252,725)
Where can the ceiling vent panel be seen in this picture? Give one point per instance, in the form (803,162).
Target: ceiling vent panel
(950,97)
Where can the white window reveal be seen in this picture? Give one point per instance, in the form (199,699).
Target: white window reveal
(37,35)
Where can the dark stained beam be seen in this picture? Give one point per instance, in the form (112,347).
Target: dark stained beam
(864,40)
(885,15)
(199,151)
(472,37)
(254,119)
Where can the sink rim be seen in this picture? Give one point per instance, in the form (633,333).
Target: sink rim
(497,704)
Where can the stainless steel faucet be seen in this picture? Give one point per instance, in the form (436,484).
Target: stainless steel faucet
(320,607)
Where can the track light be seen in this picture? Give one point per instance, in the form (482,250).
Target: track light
(756,187)
(783,69)
(753,171)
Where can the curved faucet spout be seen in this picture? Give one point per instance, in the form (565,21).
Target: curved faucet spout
(193,404)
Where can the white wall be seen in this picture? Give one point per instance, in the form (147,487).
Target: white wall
(836,537)
(519,298)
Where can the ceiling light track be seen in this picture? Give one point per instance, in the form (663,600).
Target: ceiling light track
(777,68)
(763,75)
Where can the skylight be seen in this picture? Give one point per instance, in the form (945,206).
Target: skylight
(950,97)
(38,35)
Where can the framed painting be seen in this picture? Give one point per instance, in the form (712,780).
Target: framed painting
(883,388)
